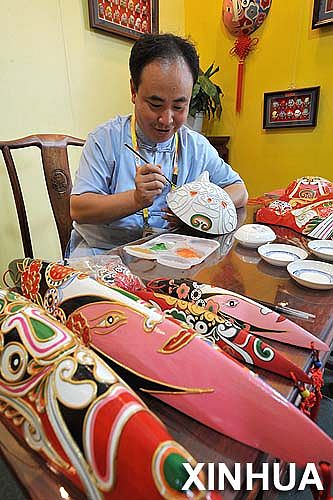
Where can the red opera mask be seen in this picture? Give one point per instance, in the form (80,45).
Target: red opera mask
(243,17)
(308,189)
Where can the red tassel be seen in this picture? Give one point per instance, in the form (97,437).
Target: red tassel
(311,398)
(243,45)
(239,86)
(316,375)
(325,494)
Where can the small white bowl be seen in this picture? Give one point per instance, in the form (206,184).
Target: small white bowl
(279,254)
(322,249)
(254,235)
(312,274)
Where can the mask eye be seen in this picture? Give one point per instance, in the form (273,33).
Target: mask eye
(111,321)
(232,303)
(201,327)
(14,360)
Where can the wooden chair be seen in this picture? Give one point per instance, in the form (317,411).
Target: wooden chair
(58,180)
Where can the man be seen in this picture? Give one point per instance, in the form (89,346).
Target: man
(115,195)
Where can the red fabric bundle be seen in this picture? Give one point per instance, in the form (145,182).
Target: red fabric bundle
(306,206)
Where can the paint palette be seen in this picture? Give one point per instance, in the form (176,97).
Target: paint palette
(174,250)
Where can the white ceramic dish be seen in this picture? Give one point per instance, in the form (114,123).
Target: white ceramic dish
(312,274)
(279,254)
(174,250)
(254,235)
(322,249)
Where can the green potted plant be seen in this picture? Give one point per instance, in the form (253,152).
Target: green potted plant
(206,97)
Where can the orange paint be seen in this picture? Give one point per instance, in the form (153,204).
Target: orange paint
(188,253)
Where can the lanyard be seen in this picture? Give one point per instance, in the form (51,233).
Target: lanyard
(145,211)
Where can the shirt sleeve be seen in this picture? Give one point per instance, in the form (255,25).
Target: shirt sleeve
(199,155)
(96,166)
(220,172)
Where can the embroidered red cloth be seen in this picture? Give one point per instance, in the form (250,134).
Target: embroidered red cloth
(306,206)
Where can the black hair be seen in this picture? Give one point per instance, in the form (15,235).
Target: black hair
(165,46)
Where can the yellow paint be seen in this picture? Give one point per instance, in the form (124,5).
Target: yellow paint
(289,55)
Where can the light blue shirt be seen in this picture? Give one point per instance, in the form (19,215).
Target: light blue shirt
(108,167)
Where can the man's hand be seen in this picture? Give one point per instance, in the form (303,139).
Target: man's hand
(149,182)
(173,221)
(237,193)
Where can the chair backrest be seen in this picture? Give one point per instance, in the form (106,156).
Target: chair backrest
(58,180)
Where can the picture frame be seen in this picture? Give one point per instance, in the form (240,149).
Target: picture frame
(322,13)
(124,18)
(291,108)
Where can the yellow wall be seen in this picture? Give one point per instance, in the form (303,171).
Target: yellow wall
(56,76)
(289,54)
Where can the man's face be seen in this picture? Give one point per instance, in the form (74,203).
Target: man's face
(162,98)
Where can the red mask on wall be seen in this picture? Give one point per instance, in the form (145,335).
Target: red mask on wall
(241,18)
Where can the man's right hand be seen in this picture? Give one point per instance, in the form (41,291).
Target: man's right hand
(149,183)
(93,208)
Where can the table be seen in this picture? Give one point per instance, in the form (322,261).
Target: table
(235,268)
(241,270)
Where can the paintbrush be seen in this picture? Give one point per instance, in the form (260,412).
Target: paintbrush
(284,309)
(146,161)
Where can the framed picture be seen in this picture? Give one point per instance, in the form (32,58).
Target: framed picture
(125,18)
(291,108)
(322,13)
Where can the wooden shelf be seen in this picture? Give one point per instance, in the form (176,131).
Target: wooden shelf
(220,144)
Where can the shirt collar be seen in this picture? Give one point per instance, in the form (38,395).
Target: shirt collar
(161,147)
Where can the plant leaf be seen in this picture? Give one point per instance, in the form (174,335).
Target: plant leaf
(207,72)
(196,90)
(207,86)
(206,95)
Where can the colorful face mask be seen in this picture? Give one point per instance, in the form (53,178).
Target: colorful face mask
(256,318)
(204,206)
(306,207)
(68,406)
(243,17)
(230,335)
(168,360)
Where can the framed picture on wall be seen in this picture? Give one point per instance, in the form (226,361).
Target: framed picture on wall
(322,13)
(291,108)
(124,18)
